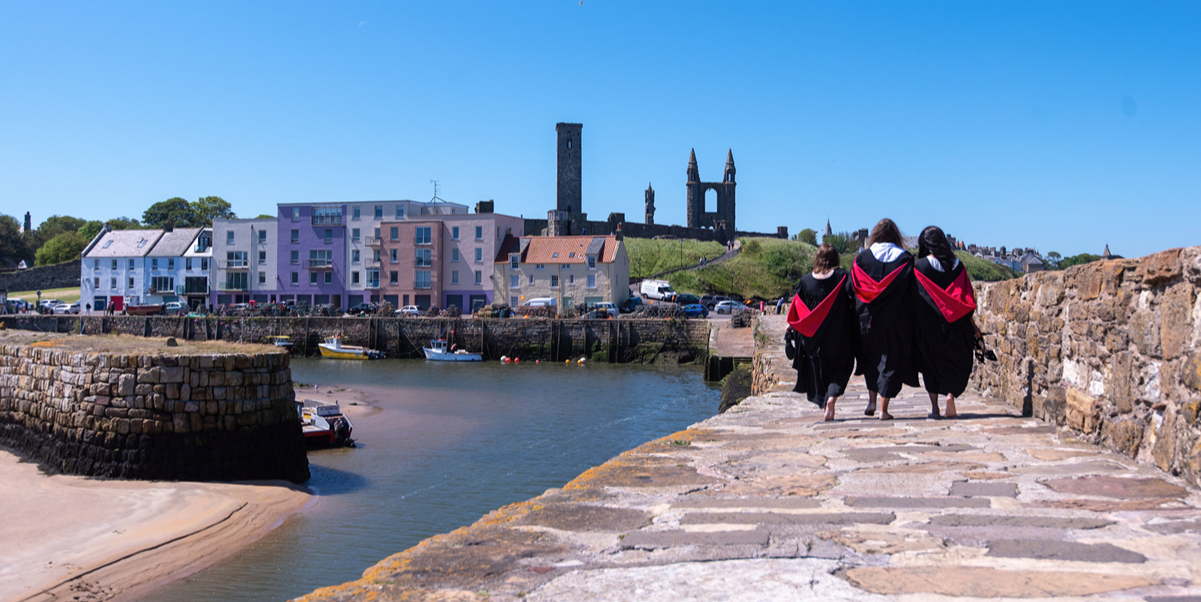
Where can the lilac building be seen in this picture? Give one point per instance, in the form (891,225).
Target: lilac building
(312,254)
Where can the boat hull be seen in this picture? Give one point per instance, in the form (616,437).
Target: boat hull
(345,353)
(434,355)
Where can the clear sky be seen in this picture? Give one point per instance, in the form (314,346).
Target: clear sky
(1058,125)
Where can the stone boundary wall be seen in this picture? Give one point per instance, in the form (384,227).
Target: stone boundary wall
(59,275)
(208,417)
(617,341)
(1109,349)
(534,227)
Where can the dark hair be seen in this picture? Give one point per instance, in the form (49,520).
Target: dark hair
(886,230)
(933,242)
(826,258)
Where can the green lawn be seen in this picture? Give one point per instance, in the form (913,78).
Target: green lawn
(649,257)
(66,295)
(766,267)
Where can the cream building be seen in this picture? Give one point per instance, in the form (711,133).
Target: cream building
(573,270)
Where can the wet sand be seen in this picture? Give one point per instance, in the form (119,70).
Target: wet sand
(76,538)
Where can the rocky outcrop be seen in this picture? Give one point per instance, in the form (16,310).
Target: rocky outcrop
(1109,349)
(166,417)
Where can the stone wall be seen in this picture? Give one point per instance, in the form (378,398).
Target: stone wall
(208,417)
(59,275)
(619,341)
(1109,349)
(535,227)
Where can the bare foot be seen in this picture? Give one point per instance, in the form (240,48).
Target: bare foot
(829,413)
(885,416)
(951,413)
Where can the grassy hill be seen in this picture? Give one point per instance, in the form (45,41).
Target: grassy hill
(649,257)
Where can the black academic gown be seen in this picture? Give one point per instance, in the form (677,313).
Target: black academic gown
(944,349)
(886,326)
(824,362)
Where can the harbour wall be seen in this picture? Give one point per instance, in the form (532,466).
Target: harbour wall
(1108,349)
(159,417)
(616,341)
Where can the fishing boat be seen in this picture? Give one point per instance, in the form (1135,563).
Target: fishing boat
(323,424)
(333,349)
(282,342)
(438,352)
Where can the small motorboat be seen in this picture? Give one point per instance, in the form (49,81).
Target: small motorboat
(333,349)
(282,342)
(323,424)
(438,352)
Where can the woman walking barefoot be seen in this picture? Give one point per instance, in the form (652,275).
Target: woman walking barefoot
(946,330)
(883,277)
(821,321)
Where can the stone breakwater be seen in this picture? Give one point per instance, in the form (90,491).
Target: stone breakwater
(1109,349)
(147,416)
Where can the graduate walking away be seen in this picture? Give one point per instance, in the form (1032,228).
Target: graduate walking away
(822,332)
(883,277)
(943,312)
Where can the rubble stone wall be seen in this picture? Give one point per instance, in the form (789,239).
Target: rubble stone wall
(1110,349)
(209,417)
(59,275)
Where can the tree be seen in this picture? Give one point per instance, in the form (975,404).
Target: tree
(1051,261)
(808,235)
(210,207)
(264,216)
(1080,259)
(13,247)
(64,247)
(174,211)
(90,229)
(124,223)
(842,242)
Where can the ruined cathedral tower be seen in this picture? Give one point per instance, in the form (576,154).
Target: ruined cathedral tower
(568,196)
(723,215)
(650,205)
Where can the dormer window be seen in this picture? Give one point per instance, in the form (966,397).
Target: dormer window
(592,262)
(514,260)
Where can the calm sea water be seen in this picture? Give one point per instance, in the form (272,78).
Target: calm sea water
(449,444)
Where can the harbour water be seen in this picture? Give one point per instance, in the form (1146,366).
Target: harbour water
(447,444)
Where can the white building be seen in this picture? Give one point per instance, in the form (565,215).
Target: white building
(169,273)
(245,252)
(113,268)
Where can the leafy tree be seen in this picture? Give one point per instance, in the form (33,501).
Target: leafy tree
(58,224)
(90,229)
(808,235)
(124,223)
(210,207)
(1051,261)
(175,211)
(64,247)
(842,242)
(13,247)
(264,216)
(1080,259)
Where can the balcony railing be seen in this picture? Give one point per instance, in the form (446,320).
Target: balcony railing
(423,285)
(327,220)
(423,263)
(192,289)
(237,264)
(372,286)
(232,286)
(371,241)
(319,264)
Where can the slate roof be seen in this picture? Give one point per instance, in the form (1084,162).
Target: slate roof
(125,243)
(560,249)
(175,243)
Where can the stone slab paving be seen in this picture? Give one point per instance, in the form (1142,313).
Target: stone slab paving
(766,502)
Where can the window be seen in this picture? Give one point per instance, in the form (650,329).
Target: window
(170,263)
(229,237)
(592,262)
(130,282)
(424,235)
(571,279)
(591,280)
(425,258)
(539,266)
(377,235)
(393,255)
(355,212)
(571,255)
(354,256)
(514,301)
(295,257)
(162,283)
(554,281)
(131,264)
(479,233)
(422,280)
(565,266)
(514,261)
(112,283)
(479,277)
(454,256)
(262,277)
(187,263)
(372,278)
(295,236)
(354,276)
(479,254)
(454,277)
(154,264)
(393,277)
(235,259)
(375,255)
(312,277)
(262,237)
(204,263)
(327,215)
(400,212)
(321,259)
(329,235)
(295,278)
(235,281)
(114,264)
(379,212)
(295,214)
(454,233)
(531,280)
(514,281)
(262,257)
(394,233)
(554,255)
(354,234)
(96,282)
(329,277)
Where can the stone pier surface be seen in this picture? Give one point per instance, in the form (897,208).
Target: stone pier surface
(766,502)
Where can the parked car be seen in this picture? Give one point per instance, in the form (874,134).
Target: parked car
(409,310)
(727,307)
(364,308)
(543,302)
(711,301)
(630,305)
(687,299)
(656,289)
(173,308)
(63,308)
(609,307)
(696,310)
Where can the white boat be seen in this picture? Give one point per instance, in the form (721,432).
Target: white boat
(438,352)
(333,348)
(323,424)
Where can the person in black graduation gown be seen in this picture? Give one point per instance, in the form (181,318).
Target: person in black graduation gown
(883,277)
(822,331)
(944,309)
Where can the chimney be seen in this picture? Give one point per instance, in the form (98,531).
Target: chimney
(485,206)
(618,234)
(168,227)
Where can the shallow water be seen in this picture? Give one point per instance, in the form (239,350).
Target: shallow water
(450,443)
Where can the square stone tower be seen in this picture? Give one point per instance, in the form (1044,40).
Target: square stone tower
(567,190)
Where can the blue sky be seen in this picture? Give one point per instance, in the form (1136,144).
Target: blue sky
(1057,125)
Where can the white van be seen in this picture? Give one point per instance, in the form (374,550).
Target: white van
(657,289)
(543,302)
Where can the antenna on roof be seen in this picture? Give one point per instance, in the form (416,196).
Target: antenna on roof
(436,197)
